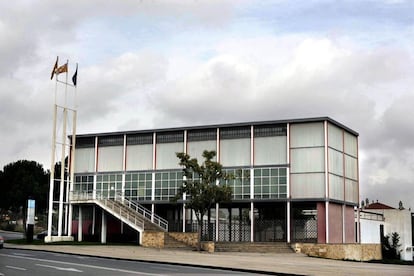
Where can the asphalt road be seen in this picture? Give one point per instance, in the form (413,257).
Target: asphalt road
(21,262)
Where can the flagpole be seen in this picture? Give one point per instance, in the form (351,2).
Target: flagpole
(62,160)
(52,165)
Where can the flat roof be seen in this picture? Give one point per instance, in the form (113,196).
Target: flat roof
(254,123)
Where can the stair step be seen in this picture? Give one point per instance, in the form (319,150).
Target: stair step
(253,247)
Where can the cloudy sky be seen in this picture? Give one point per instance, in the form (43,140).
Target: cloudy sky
(153,64)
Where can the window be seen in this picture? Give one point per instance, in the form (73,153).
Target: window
(138,186)
(270,183)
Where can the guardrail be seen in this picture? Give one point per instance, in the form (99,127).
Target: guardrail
(143,211)
(123,212)
(124,201)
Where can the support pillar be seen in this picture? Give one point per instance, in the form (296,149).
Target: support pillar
(288,221)
(103,227)
(80,224)
(251,222)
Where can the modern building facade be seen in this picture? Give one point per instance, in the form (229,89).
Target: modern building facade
(295,180)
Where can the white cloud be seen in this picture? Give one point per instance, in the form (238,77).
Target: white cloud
(156,63)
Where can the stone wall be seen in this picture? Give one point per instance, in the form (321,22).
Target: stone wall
(208,246)
(354,252)
(187,238)
(153,239)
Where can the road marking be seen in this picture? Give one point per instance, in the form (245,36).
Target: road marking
(15,267)
(22,254)
(84,265)
(61,268)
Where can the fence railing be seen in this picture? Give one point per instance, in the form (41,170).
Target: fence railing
(154,218)
(110,201)
(123,212)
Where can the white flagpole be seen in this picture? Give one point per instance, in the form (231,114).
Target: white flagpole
(52,165)
(62,160)
(72,156)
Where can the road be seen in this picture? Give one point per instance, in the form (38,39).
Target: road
(22,262)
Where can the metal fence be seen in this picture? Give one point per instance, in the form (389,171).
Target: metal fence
(305,230)
(269,230)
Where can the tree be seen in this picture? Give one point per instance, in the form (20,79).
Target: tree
(200,184)
(390,250)
(21,180)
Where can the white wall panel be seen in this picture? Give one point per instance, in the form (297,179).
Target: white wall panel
(84,160)
(235,152)
(335,137)
(166,155)
(307,135)
(196,148)
(351,167)
(351,144)
(336,162)
(139,157)
(351,191)
(307,160)
(110,158)
(308,185)
(336,187)
(270,150)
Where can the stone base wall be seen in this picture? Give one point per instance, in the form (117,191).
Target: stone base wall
(208,246)
(187,238)
(153,239)
(354,252)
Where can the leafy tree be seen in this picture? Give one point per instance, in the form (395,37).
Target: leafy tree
(200,185)
(390,250)
(21,180)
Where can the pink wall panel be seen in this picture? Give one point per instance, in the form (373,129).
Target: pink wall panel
(349,225)
(321,222)
(335,223)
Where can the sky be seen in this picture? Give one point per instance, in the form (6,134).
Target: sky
(147,64)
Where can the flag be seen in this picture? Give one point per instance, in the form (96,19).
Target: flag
(61,69)
(54,68)
(75,76)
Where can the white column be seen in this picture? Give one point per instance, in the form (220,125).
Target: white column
(327,221)
(103,227)
(183,217)
(288,207)
(93,219)
(217,222)
(326,182)
(252,222)
(343,224)
(80,224)
(288,221)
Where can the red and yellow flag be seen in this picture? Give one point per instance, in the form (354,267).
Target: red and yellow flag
(57,70)
(54,68)
(62,69)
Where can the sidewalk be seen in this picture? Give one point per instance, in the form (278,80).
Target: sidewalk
(290,263)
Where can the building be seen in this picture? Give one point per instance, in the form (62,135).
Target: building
(378,219)
(296,181)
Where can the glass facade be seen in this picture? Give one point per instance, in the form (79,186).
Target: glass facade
(83,183)
(108,185)
(240,184)
(167,184)
(138,186)
(270,183)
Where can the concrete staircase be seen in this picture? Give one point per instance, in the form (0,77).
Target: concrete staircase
(253,247)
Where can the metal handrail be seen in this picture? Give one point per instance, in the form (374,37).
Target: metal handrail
(154,218)
(135,206)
